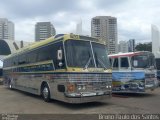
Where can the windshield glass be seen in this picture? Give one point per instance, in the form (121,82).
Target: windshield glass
(143,61)
(79,54)
(100,53)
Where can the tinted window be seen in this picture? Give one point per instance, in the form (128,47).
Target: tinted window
(79,53)
(50,53)
(100,53)
(115,64)
(124,62)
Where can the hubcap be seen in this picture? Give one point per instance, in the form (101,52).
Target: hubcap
(45,92)
(10,86)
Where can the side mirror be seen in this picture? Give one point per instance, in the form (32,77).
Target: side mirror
(59,55)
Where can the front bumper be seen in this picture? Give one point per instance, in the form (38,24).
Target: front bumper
(87,97)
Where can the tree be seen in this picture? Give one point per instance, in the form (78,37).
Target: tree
(144,47)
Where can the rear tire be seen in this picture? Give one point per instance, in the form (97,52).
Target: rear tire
(45,93)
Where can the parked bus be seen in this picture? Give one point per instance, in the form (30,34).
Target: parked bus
(133,72)
(1,70)
(67,67)
(158,70)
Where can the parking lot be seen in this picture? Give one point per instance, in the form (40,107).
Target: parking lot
(14,101)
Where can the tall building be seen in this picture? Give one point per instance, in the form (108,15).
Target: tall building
(6,29)
(44,30)
(79,28)
(105,29)
(131,45)
(123,46)
(155,41)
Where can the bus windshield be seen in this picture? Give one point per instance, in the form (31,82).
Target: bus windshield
(79,54)
(143,61)
(101,58)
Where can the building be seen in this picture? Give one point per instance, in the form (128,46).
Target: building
(105,29)
(155,41)
(131,45)
(79,28)
(6,29)
(123,46)
(44,30)
(7,46)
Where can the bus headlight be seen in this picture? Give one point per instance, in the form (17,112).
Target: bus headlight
(84,87)
(107,86)
(79,87)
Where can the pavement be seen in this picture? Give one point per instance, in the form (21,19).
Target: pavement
(18,102)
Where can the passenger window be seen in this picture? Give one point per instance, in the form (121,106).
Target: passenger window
(115,64)
(124,62)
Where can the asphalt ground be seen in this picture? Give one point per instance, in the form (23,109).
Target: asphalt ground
(18,102)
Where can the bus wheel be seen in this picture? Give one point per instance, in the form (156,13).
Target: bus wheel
(10,85)
(46,93)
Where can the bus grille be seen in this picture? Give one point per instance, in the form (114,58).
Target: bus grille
(89,77)
(150,79)
(83,77)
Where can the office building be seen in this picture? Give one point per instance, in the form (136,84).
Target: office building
(131,45)
(79,28)
(105,29)
(44,30)
(155,41)
(6,29)
(123,46)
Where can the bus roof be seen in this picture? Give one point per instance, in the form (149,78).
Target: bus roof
(129,54)
(57,37)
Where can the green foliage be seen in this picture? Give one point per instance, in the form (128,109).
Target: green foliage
(144,47)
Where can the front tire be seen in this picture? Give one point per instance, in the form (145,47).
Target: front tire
(46,93)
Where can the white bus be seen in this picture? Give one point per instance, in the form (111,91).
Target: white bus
(67,67)
(133,72)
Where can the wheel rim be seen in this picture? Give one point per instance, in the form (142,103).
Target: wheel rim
(45,92)
(10,86)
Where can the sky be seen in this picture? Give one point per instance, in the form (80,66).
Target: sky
(134,17)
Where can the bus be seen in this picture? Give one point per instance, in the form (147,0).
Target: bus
(1,70)
(158,70)
(66,67)
(133,72)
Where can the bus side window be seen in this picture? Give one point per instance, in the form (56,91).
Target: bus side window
(55,47)
(115,63)
(124,62)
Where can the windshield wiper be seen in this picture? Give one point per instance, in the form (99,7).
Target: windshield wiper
(103,65)
(87,64)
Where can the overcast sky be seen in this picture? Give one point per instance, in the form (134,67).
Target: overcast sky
(134,16)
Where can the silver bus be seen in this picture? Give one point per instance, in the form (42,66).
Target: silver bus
(66,67)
